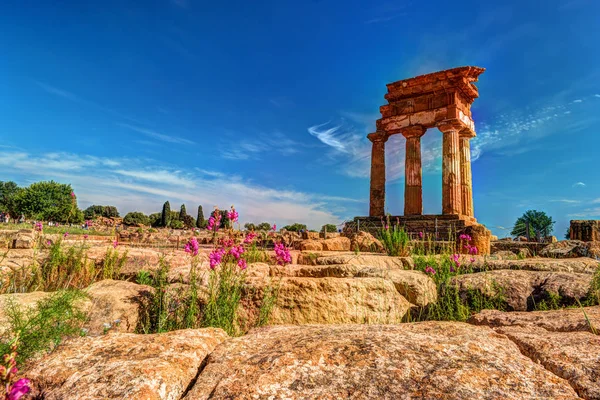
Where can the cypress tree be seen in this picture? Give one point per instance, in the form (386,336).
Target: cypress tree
(166,215)
(200,220)
(182,212)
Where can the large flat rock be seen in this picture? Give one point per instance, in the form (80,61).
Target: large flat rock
(431,360)
(125,366)
(579,265)
(522,289)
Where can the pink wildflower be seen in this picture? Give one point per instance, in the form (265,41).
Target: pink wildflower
(19,389)
(215,257)
(39,226)
(242,263)
(473,250)
(472,260)
(66,234)
(250,237)
(429,270)
(72,195)
(192,246)
(420,235)
(232,215)
(274,227)
(282,254)
(237,251)
(48,242)
(115,244)
(85,236)
(465,237)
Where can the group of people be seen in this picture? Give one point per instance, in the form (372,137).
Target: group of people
(5,218)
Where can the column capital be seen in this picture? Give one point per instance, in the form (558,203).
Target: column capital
(450,125)
(413,131)
(467,133)
(378,136)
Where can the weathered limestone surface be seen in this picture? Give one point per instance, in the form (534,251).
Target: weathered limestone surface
(433,360)
(565,320)
(566,249)
(336,244)
(336,300)
(373,260)
(125,366)
(365,242)
(523,289)
(560,340)
(579,265)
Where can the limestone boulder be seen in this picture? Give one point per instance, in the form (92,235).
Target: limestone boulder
(310,245)
(336,244)
(335,301)
(125,365)
(24,239)
(373,260)
(418,288)
(564,320)
(522,290)
(364,241)
(504,255)
(565,249)
(431,360)
(579,265)
(115,305)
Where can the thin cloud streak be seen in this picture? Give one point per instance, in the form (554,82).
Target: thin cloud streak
(157,135)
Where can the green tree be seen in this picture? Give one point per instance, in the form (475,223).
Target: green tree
(182,212)
(295,227)
(155,219)
(100,211)
(249,226)
(329,228)
(48,201)
(200,222)
(166,215)
(136,218)
(540,225)
(263,226)
(8,192)
(188,221)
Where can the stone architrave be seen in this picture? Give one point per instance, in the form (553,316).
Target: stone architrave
(377,198)
(413,187)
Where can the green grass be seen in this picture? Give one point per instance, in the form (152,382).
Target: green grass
(72,230)
(395,241)
(64,267)
(44,326)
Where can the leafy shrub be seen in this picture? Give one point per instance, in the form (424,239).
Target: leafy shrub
(329,228)
(154,220)
(136,218)
(263,226)
(249,226)
(188,221)
(100,211)
(176,224)
(44,326)
(295,227)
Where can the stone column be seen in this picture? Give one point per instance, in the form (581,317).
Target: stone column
(377,198)
(466,181)
(413,187)
(451,188)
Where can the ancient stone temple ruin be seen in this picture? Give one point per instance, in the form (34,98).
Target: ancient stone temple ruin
(439,100)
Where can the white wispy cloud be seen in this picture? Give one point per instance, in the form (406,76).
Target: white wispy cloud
(157,135)
(566,201)
(597,95)
(57,91)
(145,184)
(578,184)
(587,213)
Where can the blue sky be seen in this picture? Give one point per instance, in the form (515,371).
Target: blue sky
(266,104)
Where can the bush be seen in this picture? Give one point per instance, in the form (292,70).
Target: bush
(249,226)
(100,211)
(188,221)
(200,221)
(44,326)
(296,227)
(263,226)
(176,224)
(329,228)
(155,220)
(136,218)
